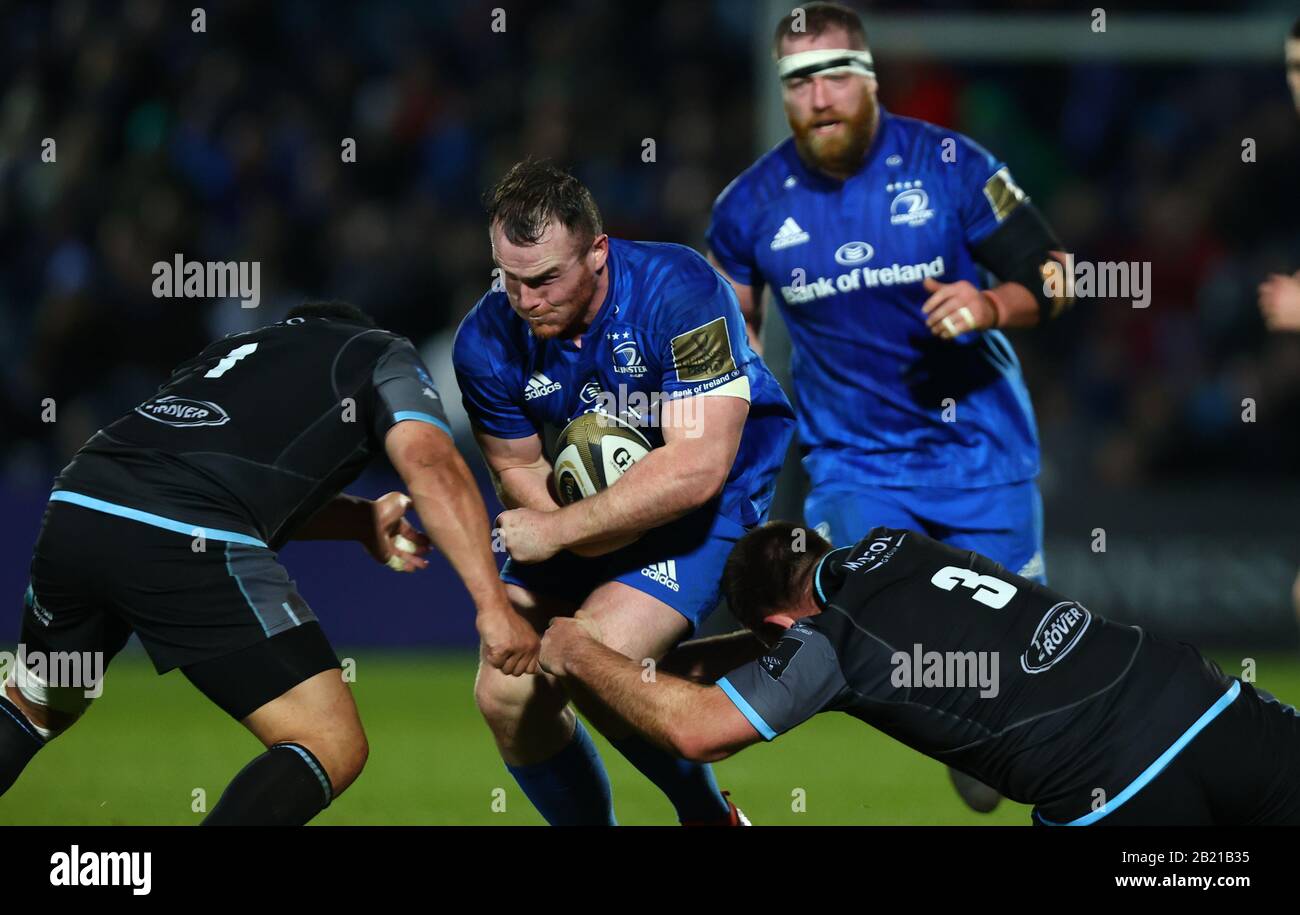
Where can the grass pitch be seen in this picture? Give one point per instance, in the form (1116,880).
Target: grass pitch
(144,748)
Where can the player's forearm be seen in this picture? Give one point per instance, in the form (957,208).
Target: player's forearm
(667,484)
(525,487)
(1014,304)
(658,709)
(708,660)
(453,515)
(344,517)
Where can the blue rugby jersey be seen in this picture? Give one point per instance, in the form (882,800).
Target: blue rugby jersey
(669,327)
(846,262)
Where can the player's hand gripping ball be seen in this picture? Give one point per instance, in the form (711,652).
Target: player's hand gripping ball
(392,540)
(397,562)
(592,453)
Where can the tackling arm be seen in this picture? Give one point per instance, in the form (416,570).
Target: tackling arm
(708,660)
(695,722)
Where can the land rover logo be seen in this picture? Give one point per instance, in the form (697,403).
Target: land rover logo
(1058,632)
(183,411)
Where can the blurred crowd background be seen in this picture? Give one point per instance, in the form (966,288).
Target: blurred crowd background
(226,145)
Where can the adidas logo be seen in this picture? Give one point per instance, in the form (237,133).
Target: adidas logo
(539,386)
(788,235)
(1034,568)
(663,572)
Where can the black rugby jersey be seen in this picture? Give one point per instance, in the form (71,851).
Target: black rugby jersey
(993,674)
(257,432)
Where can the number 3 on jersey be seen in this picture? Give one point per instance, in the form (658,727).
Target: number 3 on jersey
(989,591)
(228,361)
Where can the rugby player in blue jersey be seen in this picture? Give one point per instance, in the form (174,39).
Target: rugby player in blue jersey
(873,233)
(650,331)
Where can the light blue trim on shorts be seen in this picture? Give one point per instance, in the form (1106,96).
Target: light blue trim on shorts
(167,524)
(244,591)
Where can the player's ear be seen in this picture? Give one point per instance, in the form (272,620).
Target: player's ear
(598,252)
(784,620)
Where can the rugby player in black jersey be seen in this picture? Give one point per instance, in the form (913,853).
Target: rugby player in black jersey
(991,673)
(167,521)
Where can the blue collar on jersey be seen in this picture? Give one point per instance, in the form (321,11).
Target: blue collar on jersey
(819,589)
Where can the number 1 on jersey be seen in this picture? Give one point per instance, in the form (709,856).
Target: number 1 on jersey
(228,361)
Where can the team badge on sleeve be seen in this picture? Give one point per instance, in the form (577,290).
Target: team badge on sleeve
(1003,194)
(776,661)
(703,353)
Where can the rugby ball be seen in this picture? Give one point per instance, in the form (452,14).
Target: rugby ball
(592,452)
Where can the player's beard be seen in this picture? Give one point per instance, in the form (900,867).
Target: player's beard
(578,305)
(839,153)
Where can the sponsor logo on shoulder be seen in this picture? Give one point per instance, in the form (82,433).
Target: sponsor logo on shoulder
(780,657)
(183,412)
(665,573)
(1060,629)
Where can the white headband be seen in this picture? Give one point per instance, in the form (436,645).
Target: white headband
(825,61)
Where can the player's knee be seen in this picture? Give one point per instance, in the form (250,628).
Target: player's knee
(342,754)
(352,760)
(504,701)
(51,709)
(500,699)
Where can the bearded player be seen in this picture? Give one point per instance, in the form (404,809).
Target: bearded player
(582,318)
(873,232)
